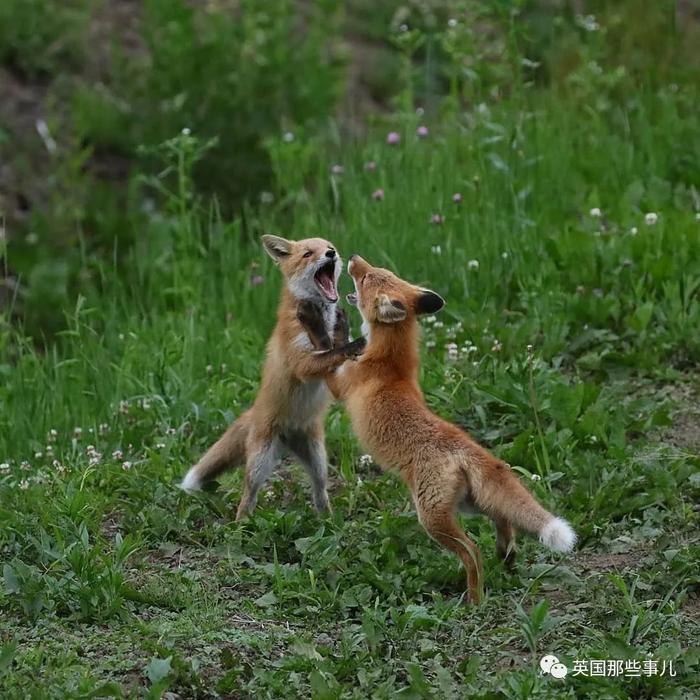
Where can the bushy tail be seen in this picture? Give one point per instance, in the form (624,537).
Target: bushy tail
(499,492)
(227,452)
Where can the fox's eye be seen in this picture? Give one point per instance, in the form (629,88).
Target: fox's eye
(308,254)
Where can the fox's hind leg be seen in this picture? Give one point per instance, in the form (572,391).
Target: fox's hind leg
(310,449)
(263,458)
(505,541)
(436,495)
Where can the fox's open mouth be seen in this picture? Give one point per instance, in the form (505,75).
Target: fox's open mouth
(325,281)
(351,299)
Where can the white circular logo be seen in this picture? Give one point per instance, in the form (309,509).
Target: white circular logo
(559,671)
(546,662)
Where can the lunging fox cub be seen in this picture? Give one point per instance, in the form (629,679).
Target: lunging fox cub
(288,413)
(442,466)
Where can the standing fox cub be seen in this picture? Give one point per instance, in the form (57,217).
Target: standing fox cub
(442,466)
(288,413)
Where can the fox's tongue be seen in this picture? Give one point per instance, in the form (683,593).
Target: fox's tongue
(327,284)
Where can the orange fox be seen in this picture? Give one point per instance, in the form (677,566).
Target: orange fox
(442,466)
(287,415)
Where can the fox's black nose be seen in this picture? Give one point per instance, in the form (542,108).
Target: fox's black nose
(330,253)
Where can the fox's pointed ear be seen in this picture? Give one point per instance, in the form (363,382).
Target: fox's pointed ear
(276,247)
(428,302)
(389,310)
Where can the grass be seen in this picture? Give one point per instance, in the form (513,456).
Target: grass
(116,584)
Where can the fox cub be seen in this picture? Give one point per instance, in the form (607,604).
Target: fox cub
(288,412)
(441,465)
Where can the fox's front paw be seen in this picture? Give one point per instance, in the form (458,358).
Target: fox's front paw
(355,348)
(341,330)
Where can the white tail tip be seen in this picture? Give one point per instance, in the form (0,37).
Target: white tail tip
(191,483)
(558,535)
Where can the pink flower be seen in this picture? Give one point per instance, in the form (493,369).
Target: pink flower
(393,137)
(456,197)
(437,219)
(378,194)
(370,166)
(255,280)
(422,131)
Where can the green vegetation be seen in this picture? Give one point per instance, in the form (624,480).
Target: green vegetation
(142,306)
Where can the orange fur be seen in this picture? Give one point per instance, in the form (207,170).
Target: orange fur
(288,413)
(443,467)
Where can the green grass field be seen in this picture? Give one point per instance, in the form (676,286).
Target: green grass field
(562,226)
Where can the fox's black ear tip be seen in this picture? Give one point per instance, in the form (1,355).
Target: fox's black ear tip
(429,302)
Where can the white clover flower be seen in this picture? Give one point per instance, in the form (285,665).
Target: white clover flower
(496,347)
(697,216)
(288,137)
(103,428)
(160,445)
(53,434)
(438,324)
(530,349)
(535,477)
(170,431)
(124,407)
(38,455)
(596,213)
(126,466)
(651,218)
(452,22)
(634,231)
(49,450)
(77,431)
(473,264)
(437,250)
(25,466)
(224,367)
(504,255)
(209,369)
(186,131)
(430,319)
(4,467)
(117,454)
(430,344)
(365,460)
(145,404)
(24,484)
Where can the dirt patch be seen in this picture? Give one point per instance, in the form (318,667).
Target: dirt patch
(609,562)
(684,431)
(691,608)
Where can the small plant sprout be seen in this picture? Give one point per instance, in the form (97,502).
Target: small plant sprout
(393,138)
(650,218)
(473,265)
(422,132)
